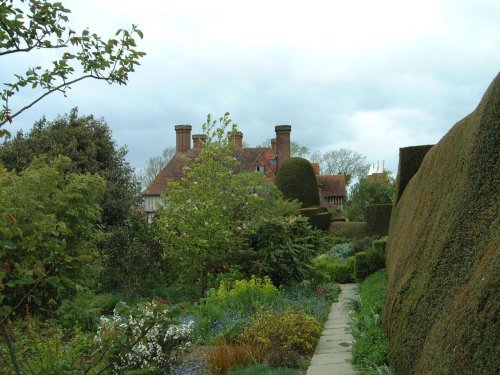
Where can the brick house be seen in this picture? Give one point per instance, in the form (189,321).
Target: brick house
(259,159)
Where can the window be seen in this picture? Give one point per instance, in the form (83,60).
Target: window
(272,162)
(260,168)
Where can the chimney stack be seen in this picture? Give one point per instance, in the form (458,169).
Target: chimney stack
(273,144)
(183,138)
(283,142)
(236,138)
(316,168)
(199,141)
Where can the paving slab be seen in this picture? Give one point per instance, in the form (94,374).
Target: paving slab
(333,351)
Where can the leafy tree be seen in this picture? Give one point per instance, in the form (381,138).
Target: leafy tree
(154,165)
(196,223)
(347,162)
(27,26)
(48,236)
(88,143)
(210,216)
(365,193)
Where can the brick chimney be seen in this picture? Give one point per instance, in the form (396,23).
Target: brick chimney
(199,141)
(183,138)
(283,142)
(236,138)
(273,144)
(316,168)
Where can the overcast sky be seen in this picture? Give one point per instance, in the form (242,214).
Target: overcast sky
(371,76)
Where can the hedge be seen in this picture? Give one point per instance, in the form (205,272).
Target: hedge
(442,308)
(410,159)
(378,218)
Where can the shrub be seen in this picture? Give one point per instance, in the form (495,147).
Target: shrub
(223,357)
(226,310)
(85,309)
(341,251)
(367,262)
(282,248)
(378,218)
(283,335)
(318,217)
(331,268)
(297,180)
(145,337)
(349,229)
(362,244)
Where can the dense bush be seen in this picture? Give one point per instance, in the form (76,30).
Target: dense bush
(296,180)
(226,310)
(223,357)
(281,248)
(284,336)
(85,309)
(378,218)
(349,229)
(368,261)
(334,269)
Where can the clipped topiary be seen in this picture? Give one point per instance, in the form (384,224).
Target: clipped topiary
(296,180)
(442,307)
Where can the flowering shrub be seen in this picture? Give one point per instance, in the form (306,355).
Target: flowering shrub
(287,334)
(227,309)
(148,336)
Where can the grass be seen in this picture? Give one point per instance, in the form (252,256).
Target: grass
(369,351)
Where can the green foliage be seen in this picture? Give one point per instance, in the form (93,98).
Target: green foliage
(284,336)
(132,256)
(378,218)
(213,219)
(368,261)
(88,143)
(442,306)
(332,269)
(49,241)
(370,341)
(226,310)
(147,336)
(364,194)
(85,309)
(297,180)
(30,25)
(281,248)
(318,218)
(349,229)
(314,299)
(410,159)
(43,348)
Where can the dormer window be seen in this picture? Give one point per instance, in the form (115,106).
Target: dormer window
(260,168)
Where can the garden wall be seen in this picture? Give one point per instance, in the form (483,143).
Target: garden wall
(441,310)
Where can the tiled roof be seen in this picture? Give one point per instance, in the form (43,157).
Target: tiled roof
(247,158)
(331,185)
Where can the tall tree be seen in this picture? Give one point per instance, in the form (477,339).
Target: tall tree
(27,26)
(88,143)
(365,193)
(154,165)
(349,163)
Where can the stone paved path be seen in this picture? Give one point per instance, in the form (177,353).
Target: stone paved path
(330,357)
